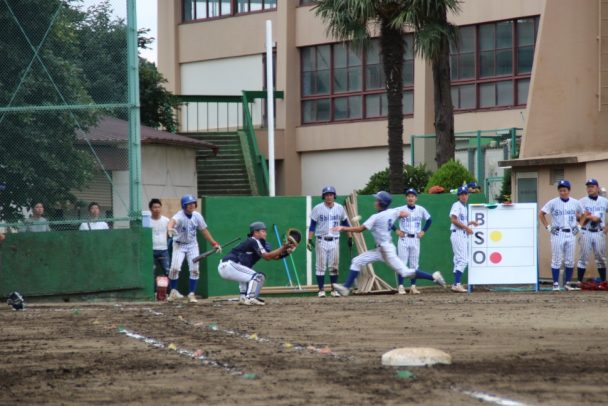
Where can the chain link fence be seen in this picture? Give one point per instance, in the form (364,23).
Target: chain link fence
(479,151)
(64,109)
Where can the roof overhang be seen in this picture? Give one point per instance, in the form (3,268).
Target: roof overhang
(554,160)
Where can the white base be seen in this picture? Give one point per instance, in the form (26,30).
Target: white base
(415,357)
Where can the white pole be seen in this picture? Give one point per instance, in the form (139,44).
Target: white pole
(270,109)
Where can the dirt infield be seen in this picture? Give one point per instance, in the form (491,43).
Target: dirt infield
(545,348)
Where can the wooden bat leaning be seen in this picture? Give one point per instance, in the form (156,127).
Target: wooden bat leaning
(213,251)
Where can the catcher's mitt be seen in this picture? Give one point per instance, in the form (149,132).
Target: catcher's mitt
(293,237)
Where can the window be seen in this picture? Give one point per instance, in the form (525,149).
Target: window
(306,2)
(340,82)
(492,63)
(204,9)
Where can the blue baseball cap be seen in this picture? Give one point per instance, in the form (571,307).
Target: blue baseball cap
(592,181)
(411,191)
(462,190)
(563,183)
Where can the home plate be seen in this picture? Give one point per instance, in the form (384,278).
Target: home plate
(415,357)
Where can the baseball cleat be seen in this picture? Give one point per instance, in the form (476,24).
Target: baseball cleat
(246,302)
(570,287)
(438,279)
(401,290)
(192,298)
(414,291)
(556,287)
(334,294)
(458,289)
(321,293)
(242,300)
(255,301)
(174,295)
(341,289)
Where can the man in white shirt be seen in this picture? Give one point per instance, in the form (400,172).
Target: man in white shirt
(94,223)
(160,248)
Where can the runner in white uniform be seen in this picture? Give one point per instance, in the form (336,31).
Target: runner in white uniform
(565,213)
(182,227)
(410,231)
(381,227)
(593,239)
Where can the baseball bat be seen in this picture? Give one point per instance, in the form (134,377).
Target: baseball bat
(213,251)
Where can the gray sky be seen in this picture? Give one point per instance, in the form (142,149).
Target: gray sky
(146,18)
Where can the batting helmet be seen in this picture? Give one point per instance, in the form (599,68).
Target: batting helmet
(256,226)
(462,190)
(384,198)
(187,199)
(563,183)
(328,189)
(16,301)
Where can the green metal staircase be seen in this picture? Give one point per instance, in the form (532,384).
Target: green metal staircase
(226,121)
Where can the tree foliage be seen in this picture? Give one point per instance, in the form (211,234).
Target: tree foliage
(54,54)
(38,157)
(415,177)
(450,175)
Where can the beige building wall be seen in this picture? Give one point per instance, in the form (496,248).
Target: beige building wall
(294,26)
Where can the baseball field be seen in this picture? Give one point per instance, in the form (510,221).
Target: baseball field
(529,348)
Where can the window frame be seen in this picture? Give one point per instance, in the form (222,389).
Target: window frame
(363,93)
(514,76)
(233,10)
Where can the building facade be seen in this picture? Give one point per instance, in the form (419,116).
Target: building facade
(331,124)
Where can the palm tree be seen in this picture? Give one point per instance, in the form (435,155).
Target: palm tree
(355,19)
(432,37)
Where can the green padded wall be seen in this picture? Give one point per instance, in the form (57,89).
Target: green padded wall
(116,263)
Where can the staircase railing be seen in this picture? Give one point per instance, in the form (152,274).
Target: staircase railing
(208,114)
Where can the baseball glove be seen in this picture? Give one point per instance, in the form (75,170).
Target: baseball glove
(293,237)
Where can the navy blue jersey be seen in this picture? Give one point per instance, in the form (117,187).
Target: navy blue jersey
(248,252)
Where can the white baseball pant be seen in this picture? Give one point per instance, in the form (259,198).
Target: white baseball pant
(328,256)
(388,254)
(460,242)
(592,243)
(250,281)
(408,250)
(181,251)
(563,246)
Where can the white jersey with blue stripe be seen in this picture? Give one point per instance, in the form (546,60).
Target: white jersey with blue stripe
(563,213)
(597,207)
(461,212)
(381,225)
(186,227)
(327,218)
(412,224)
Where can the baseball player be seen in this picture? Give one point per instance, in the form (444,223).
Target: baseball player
(410,232)
(323,218)
(460,236)
(182,227)
(381,227)
(565,213)
(593,239)
(238,264)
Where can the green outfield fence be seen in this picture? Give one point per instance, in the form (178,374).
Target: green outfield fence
(66,67)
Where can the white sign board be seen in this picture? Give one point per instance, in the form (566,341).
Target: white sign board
(503,247)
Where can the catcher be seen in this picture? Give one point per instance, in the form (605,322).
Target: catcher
(238,264)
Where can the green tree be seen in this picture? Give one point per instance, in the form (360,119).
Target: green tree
(413,177)
(104,62)
(450,175)
(433,35)
(38,156)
